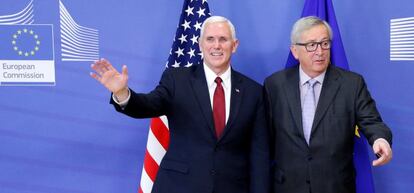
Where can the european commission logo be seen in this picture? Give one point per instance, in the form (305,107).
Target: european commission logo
(402,39)
(26,50)
(27,54)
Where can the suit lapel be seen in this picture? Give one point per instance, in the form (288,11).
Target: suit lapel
(330,87)
(237,91)
(200,89)
(293,98)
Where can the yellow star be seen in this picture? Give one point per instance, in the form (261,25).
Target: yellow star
(357,131)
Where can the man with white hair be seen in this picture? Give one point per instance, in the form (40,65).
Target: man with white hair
(313,109)
(218,133)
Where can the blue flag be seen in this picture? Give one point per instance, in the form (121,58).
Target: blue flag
(324,10)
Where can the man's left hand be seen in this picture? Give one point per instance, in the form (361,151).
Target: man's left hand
(383,151)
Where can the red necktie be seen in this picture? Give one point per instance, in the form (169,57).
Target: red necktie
(219,108)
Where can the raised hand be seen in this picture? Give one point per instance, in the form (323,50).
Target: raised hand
(108,76)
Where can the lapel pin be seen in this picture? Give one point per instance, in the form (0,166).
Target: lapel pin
(237,90)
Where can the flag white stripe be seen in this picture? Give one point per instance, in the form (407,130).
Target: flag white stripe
(154,148)
(146,182)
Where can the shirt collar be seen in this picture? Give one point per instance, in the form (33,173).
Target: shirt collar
(304,77)
(211,76)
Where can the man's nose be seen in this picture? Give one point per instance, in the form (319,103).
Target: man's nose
(216,44)
(318,49)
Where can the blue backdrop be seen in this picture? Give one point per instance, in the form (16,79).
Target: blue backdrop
(66,138)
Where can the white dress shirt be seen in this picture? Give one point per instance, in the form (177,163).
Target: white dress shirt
(226,83)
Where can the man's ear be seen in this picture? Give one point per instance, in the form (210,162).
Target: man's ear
(294,51)
(235,45)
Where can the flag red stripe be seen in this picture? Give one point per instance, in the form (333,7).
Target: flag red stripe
(160,131)
(150,166)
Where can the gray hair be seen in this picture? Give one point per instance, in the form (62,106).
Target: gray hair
(307,23)
(217,19)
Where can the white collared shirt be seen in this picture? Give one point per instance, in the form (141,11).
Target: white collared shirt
(226,83)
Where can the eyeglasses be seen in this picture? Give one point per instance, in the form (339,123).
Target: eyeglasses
(312,46)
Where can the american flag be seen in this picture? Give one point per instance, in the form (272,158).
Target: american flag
(184,53)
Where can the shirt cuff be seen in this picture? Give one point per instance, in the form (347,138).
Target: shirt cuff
(381,139)
(123,103)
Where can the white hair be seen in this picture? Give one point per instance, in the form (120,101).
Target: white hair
(217,19)
(307,23)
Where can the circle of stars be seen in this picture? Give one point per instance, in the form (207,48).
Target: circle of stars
(25,32)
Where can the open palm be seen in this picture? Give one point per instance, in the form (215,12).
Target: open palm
(108,76)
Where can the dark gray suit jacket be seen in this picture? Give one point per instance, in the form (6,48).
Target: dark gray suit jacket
(326,165)
(196,162)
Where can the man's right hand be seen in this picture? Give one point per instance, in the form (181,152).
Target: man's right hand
(108,76)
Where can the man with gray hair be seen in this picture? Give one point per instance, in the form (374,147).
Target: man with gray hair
(216,117)
(313,109)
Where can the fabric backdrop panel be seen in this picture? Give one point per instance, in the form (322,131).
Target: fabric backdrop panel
(65,137)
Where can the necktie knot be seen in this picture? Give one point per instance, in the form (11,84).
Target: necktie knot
(218,80)
(312,82)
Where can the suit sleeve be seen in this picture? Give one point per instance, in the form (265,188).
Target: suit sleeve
(259,155)
(368,118)
(153,104)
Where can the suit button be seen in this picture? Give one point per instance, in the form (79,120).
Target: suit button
(308,181)
(213,172)
(310,157)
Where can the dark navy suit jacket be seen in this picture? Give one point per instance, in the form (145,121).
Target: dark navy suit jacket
(196,161)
